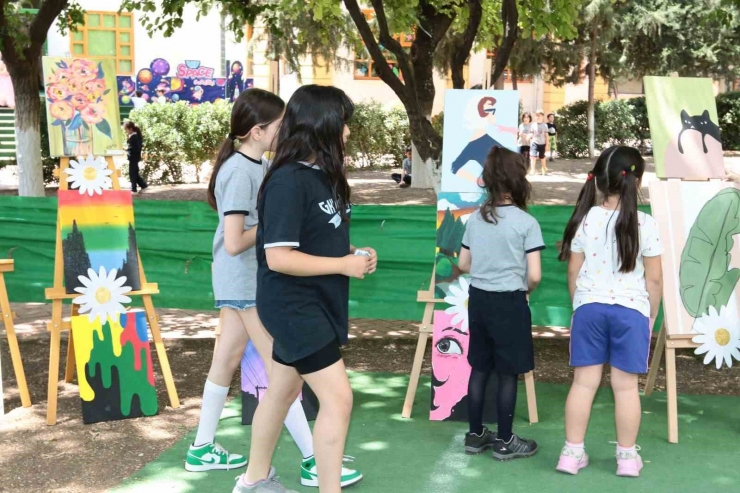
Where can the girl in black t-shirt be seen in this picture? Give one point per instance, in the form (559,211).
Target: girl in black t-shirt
(135,143)
(305,261)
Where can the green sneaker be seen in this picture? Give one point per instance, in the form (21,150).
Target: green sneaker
(310,473)
(212,456)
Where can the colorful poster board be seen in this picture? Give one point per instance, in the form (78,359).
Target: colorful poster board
(114,367)
(254,384)
(98,231)
(453,211)
(700,227)
(451,372)
(475,121)
(126,90)
(191,82)
(82,107)
(684,127)
(237,82)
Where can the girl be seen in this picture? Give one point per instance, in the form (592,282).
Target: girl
(232,191)
(540,144)
(500,320)
(135,143)
(305,262)
(615,281)
(524,135)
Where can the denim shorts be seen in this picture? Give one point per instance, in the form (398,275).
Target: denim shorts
(240,305)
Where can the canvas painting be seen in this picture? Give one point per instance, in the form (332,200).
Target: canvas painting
(700,228)
(451,372)
(254,385)
(114,367)
(475,121)
(82,107)
(453,211)
(684,127)
(98,231)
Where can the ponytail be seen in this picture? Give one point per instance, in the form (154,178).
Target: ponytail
(627,228)
(224,153)
(586,200)
(129,125)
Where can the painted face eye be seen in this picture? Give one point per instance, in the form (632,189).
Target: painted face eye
(449,345)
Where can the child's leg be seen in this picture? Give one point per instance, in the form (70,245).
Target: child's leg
(331,386)
(295,421)
(627,410)
(505,404)
(580,398)
(476,398)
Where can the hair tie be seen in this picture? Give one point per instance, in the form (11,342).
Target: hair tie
(632,168)
(624,173)
(232,136)
(590,177)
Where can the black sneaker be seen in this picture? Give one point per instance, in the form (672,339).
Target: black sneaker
(515,448)
(475,444)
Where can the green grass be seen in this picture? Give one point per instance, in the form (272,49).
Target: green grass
(419,456)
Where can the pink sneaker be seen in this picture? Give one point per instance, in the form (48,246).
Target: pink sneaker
(571,462)
(629,464)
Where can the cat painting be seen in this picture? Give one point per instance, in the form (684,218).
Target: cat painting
(701,123)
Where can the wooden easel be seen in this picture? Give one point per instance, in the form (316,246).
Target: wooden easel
(7,265)
(57,294)
(425,330)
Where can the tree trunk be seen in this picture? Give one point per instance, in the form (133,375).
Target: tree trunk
(25,76)
(499,84)
(464,44)
(514,82)
(510,18)
(591,102)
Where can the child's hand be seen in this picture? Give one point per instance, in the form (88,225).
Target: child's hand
(373,259)
(356,266)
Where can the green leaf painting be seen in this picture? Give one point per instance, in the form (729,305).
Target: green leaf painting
(706,279)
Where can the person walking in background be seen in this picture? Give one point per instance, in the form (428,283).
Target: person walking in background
(135,144)
(539,144)
(138,101)
(524,135)
(615,281)
(501,250)
(552,132)
(404,177)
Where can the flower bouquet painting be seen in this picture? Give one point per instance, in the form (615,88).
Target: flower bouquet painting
(82,107)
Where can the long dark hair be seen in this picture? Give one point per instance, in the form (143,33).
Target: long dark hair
(505,177)
(312,130)
(253,107)
(618,171)
(129,125)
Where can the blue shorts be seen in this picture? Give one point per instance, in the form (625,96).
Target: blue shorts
(610,334)
(236,304)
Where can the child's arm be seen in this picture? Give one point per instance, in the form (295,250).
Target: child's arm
(291,262)
(464,260)
(575,263)
(534,270)
(236,240)
(654,282)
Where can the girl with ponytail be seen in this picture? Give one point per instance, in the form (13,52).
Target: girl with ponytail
(133,152)
(615,281)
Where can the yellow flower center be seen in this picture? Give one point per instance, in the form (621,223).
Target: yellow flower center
(90,173)
(102,296)
(722,336)
(466,303)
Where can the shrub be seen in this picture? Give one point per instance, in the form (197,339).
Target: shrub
(728,109)
(206,126)
(163,127)
(641,127)
(573,130)
(378,136)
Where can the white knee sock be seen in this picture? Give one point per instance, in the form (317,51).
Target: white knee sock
(297,425)
(214,398)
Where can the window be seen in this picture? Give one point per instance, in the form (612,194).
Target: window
(365,67)
(106,36)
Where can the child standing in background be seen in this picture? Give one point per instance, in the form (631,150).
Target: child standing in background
(501,250)
(540,144)
(552,131)
(615,279)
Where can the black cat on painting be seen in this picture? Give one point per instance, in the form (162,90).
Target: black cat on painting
(703,124)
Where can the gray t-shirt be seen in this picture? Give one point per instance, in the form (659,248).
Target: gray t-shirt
(499,251)
(237,185)
(540,133)
(407,166)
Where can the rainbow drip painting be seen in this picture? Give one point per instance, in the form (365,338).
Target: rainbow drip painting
(114,367)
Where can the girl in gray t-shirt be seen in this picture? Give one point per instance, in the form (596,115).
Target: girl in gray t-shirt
(501,251)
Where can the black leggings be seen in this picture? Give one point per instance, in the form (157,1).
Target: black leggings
(505,401)
(135,177)
(397,178)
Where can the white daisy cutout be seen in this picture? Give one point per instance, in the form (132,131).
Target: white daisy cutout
(719,336)
(90,175)
(102,295)
(459,300)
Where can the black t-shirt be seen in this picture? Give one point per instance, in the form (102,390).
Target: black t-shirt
(552,126)
(303,314)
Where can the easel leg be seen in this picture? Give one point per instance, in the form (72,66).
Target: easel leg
(56,336)
(421,345)
(69,372)
(161,351)
(15,353)
(531,398)
(670,375)
(655,363)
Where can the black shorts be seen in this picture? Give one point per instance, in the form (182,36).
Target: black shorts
(321,359)
(538,150)
(500,332)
